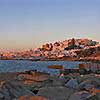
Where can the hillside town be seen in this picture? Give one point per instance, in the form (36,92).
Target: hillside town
(71,49)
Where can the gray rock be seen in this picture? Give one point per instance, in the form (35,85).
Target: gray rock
(86,85)
(83,95)
(55,81)
(1,96)
(55,93)
(14,89)
(95,97)
(72,84)
(98,96)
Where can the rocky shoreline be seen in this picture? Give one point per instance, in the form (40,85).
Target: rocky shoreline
(87,59)
(33,85)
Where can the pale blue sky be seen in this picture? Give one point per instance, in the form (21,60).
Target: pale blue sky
(30,23)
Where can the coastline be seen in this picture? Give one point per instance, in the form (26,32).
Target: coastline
(51,87)
(86,59)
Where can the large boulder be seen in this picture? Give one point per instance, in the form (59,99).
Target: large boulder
(29,78)
(89,81)
(72,83)
(82,95)
(87,85)
(55,93)
(57,81)
(1,96)
(13,89)
(38,76)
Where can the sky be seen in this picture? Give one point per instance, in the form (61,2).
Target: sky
(31,23)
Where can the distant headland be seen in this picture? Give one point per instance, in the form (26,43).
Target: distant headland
(71,49)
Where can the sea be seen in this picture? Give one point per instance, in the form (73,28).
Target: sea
(22,65)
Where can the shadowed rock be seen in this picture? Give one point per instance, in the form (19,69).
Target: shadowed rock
(83,95)
(55,93)
(13,89)
(72,84)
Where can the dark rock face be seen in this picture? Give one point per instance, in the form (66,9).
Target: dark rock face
(19,85)
(83,95)
(72,84)
(13,89)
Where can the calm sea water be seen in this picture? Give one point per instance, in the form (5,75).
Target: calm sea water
(19,66)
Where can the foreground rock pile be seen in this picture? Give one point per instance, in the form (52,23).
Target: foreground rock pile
(32,85)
